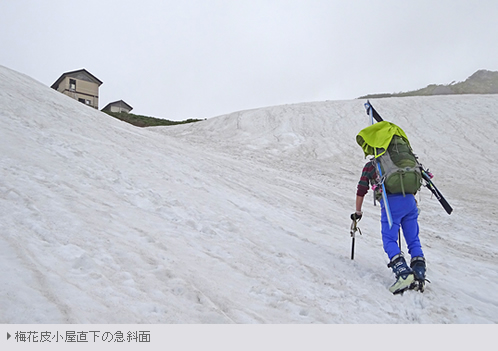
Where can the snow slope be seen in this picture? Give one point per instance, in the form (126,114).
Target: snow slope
(242,218)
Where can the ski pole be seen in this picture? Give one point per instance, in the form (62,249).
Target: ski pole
(374,115)
(399,238)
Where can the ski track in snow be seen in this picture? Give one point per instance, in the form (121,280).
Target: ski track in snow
(242,218)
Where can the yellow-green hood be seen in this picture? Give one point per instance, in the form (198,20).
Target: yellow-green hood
(375,139)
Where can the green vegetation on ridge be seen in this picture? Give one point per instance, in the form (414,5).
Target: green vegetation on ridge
(481,82)
(146,121)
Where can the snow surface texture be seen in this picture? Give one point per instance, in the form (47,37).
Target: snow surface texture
(242,218)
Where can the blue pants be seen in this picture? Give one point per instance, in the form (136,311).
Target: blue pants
(404,212)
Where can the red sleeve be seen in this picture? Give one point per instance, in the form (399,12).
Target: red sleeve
(367,174)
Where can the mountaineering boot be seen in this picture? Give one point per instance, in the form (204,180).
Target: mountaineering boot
(418,266)
(404,274)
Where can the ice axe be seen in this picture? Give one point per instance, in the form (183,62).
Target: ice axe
(354,229)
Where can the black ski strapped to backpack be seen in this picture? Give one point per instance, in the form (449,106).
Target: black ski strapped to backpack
(425,174)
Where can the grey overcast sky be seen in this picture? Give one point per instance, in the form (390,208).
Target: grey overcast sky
(203,58)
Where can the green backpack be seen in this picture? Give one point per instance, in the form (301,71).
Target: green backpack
(401,172)
(400,169)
